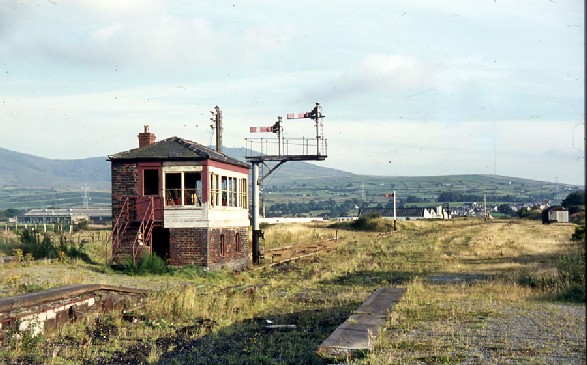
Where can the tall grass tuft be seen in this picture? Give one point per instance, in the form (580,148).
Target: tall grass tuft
(39,246)
(571,270)
(372,222)
(148,264)
(564,278)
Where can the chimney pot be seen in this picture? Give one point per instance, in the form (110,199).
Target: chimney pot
(146,138)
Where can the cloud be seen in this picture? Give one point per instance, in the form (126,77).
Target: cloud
(160,42)
(261,40)
(9,16)
(380,73)
(141,34)
(114,10)
(538,150)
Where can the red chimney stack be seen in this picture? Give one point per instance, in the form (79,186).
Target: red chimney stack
(146,138)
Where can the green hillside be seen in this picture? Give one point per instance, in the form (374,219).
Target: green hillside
(24,171)
(28,181)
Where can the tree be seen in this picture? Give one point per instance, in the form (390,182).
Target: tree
(574,202)
(505,209)
(81,225)
(10,213)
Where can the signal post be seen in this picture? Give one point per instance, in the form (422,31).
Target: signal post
(280,150)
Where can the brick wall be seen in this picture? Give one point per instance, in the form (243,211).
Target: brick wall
(201,246)
(188,246)
(231,258)
(124,183)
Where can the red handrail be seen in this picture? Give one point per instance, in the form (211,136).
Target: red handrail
(145,231)
(119,228)
(129,214)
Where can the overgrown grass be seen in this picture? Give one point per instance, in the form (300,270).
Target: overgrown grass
(459,275)
(280,235)
(372,222)
(147,264)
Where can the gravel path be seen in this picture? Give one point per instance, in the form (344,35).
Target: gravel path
(536,333)
(543,333)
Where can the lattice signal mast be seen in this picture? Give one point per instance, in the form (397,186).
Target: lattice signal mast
(261,150)
(315,114)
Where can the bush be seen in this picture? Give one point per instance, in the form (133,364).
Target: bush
(571,271)
(573,293)
(579,234)
(34,247)
(530,213)
(81,225)
(31,244)
(147,264)
(372,222)
(568,284)
(27,236)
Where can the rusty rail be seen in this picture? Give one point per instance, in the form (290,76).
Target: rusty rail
(281,255)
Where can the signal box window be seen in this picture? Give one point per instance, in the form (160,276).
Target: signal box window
(192,188)
(173,189)
(183,188)
(150,182)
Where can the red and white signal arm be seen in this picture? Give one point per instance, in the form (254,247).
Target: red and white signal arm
(260,129)
(389,195)
(298,115)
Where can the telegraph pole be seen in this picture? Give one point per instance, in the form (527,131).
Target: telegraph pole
(485,205)
(217,120)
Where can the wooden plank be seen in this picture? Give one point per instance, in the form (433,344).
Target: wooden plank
(361,329)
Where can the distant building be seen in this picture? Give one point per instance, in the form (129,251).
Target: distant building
(66,216)
(408,213)
(182,201)
(556,214)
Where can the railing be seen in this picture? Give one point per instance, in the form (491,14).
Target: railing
(133,211)
(145,232)
(290,146)
(120,227)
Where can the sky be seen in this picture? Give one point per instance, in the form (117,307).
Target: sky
(408,87)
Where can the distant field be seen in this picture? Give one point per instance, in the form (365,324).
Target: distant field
(373,188)
(37,198)
(340,188)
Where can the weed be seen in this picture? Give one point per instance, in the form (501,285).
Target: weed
(147,264)
(579,234)
(28,258)
(372,222)
(18,255)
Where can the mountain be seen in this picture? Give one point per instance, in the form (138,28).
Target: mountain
(24,171)
(28,181)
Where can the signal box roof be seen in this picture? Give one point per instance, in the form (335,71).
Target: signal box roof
(175,149)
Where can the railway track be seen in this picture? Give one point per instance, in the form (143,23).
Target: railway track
(281,255)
